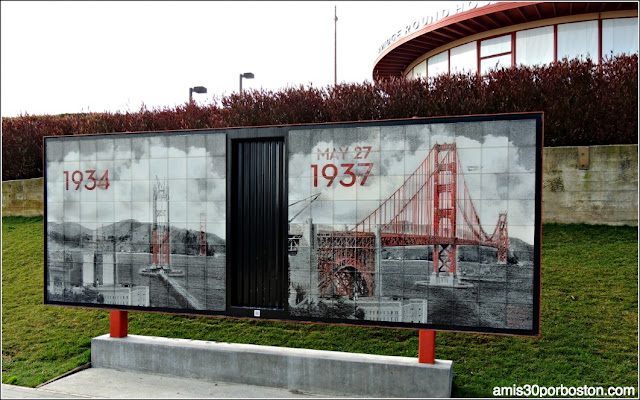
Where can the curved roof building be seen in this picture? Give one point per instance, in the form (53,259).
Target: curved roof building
(477,38)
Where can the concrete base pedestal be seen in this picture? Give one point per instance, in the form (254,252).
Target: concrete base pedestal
(331,372)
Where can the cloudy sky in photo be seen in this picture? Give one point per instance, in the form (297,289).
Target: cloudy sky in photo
(497,158)
(193,166)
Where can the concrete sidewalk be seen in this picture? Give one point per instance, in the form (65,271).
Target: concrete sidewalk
(110,383)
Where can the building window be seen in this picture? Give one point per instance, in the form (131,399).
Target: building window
(619,36)
(410,74)
(578,40)
(495,46)
(464,58)
(420,70)
(535,46)
(438,64)
(495,53)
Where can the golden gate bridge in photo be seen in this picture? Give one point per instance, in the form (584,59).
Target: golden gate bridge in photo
(432,207)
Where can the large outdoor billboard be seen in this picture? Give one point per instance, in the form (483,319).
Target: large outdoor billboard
(424,223)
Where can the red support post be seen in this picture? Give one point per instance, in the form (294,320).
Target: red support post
(119,323)
(427,346)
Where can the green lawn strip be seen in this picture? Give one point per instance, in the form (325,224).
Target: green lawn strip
(589,324)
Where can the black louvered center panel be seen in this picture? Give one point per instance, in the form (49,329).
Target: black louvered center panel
(258,231)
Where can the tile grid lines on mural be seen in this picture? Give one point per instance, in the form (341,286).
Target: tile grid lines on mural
(409,223)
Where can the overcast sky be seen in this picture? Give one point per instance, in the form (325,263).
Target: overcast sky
(70,57)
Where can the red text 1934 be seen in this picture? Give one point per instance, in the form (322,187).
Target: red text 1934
(88,178)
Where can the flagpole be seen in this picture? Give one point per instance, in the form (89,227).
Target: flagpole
(335,46)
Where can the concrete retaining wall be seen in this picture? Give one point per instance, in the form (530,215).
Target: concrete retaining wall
(23,197)
(605,191)
(599,187)
(331,372)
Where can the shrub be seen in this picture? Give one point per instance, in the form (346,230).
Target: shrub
(583,104)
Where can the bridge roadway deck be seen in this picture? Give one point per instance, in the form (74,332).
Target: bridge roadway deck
(398,239)
(182,292)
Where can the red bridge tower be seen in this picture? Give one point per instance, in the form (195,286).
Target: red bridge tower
(161,229)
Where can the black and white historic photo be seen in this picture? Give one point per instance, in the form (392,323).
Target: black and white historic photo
(414,223)
(429,223)
(137,220)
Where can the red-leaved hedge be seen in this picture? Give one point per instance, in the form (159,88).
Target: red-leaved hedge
(583,105)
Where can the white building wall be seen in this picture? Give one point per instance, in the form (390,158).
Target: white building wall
(87,269)
(108,269)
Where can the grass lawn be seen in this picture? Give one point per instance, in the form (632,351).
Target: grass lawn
(589,323)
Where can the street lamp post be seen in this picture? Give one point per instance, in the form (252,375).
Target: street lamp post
(248,75)
(197,89)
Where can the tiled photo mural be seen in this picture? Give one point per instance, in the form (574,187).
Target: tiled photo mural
(424,223)
(136,220)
